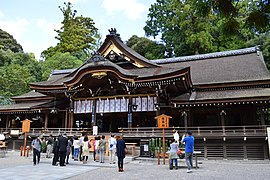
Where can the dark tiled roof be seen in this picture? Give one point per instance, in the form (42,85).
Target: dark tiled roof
(23,106)
(208,55)
(225,94)
(223,67)
(31,94)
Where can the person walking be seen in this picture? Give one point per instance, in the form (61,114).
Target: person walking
(63,143)
(49,146)
(85,149)
(112,149)
(76,145)
(68,149)
(120,152)
(36,146)
(55,152)
(173,154)
(189,149)
(102,149)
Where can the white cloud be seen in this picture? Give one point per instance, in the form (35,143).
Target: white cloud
(131,8)
(15,27)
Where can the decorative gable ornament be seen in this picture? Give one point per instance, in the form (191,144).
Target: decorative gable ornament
(96,57)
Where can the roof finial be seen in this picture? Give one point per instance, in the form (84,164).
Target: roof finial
(113,32)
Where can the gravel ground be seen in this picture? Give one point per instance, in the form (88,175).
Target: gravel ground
(254,170)
(144,170)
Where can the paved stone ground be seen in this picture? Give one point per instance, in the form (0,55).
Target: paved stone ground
(216,170)
(14,167)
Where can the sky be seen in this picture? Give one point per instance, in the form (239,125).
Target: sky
(32,22)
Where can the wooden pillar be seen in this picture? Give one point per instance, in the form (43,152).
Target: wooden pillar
(94,113)
(71,118)
(129,113)
(7,122)
(66,119)
(222,118)
(184,114)
(46,119)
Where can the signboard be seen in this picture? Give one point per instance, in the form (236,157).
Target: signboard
(26,126)
(163,121)
(95,130)
(14,132)
(268,137)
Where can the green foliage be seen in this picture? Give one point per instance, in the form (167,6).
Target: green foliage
(14,80)
(7,42)
(263,41)
(78,35)
(17,70)
(146,47)
(199,26)
(59,61)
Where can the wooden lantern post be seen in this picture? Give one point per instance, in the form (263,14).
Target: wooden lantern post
(163,122)
(25,129)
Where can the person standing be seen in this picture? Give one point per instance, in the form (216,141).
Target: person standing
(97,139)
(189,149)
(81,144)
(63,143)
(112,148)
(102,149)
(120,152)
(173,154)
(176,137)
(55,152)
(76,145)
(85,149)
(49,146)
(36,146)
(68,149)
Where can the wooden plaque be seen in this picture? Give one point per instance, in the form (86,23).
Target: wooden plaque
(163,121)
(26,126)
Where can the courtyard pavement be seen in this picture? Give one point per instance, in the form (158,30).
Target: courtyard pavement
(14,167)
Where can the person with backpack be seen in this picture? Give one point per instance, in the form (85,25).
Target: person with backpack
(36,146)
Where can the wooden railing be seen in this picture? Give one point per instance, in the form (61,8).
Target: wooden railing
(48,131)
(204,131)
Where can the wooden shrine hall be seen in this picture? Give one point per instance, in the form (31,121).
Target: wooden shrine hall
(222,97)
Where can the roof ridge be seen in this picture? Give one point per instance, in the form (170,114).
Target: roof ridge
(208,55)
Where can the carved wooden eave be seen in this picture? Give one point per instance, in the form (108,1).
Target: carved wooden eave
(114,43)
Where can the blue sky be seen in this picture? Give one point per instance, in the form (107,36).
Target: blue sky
(32,22)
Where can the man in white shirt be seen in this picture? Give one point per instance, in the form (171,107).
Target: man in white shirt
(176,136)
(112,148)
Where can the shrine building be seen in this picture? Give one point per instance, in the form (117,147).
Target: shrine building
(222,97)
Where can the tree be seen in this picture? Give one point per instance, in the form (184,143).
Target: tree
(59,61)
(7,42)
(263,41)
(146,47)
(78,35)
(199,26)
(14,80)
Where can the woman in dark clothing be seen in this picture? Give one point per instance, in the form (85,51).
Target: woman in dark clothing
(55,152)
(120,152)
